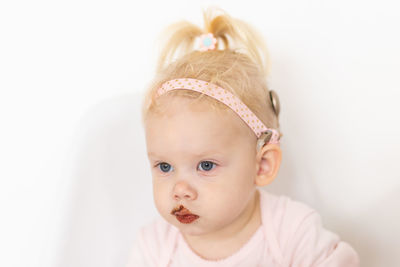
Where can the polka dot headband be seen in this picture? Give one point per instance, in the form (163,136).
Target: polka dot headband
(265,135)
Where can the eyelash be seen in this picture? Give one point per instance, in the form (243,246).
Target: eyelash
(213,164)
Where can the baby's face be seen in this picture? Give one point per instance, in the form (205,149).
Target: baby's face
(204,161)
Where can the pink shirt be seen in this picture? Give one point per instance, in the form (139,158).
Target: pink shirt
(291,234)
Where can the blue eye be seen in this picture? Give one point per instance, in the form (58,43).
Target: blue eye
(207,165)
(164,167)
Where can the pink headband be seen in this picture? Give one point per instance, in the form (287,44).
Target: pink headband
(228,99)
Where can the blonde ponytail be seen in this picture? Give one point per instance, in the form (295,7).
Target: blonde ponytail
(179,38)
(237,35)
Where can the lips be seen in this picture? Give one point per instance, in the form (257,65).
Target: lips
(183,214)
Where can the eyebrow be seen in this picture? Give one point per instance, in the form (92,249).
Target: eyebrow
(211,152)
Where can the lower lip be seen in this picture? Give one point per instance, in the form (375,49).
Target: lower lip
(187,218)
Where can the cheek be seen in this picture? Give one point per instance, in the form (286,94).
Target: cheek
(160,196)
(231,196)
(228,200)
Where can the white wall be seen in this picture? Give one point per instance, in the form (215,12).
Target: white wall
(66,65)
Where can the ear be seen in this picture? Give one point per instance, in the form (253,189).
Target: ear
(268,161)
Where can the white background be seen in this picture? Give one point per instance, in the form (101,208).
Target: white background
(335,66)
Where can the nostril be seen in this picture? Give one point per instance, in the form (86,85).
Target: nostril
(185,196)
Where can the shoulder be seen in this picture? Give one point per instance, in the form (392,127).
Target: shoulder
(283,212)
(299,236)
(157,230)
(154,242)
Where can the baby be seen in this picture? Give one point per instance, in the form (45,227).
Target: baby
(212,135)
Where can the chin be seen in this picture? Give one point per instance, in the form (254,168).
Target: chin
(191,231)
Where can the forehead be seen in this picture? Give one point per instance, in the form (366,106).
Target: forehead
(188,129)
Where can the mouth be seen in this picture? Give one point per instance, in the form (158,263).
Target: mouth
(183,215)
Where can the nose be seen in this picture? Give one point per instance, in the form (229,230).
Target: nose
(182,190)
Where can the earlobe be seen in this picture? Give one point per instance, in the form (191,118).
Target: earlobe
(268,162)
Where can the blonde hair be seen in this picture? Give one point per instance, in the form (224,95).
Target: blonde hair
(239,64)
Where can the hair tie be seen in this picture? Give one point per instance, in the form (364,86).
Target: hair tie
(207,42)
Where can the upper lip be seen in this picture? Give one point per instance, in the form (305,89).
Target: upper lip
(180,210)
